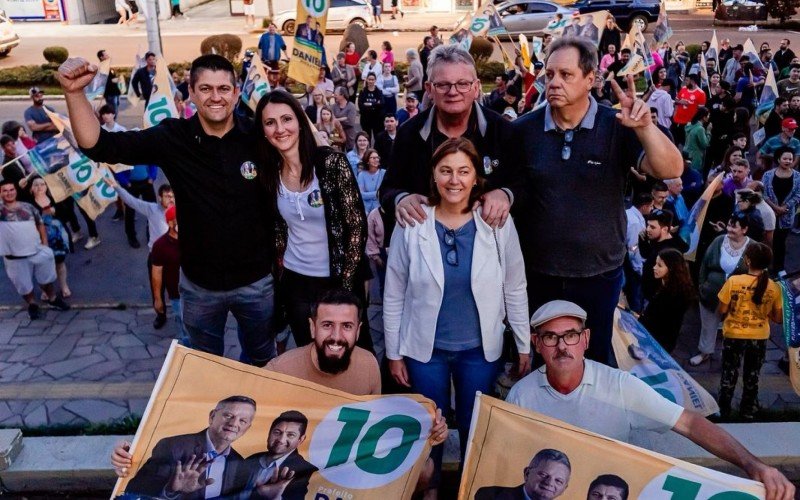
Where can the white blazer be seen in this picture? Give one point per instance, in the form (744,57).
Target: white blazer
(415,287)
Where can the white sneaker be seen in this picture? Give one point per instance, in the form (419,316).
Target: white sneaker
(76,237)
(92,242)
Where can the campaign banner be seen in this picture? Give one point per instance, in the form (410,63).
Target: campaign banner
(335,445)
(138,62)
(102,194)
(634,66)
(514,453)
(713,50)
(97,87)
(162,99)
(662,32)
(589,26)
(790,288)
(63,167)
(309,38)
(256,84)
(640,354)
(697,217)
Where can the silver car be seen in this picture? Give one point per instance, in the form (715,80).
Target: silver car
(8,37)
(529,16)
(341,14)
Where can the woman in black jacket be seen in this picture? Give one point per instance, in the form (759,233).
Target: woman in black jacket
(663,315)
(611,36)
(321,228)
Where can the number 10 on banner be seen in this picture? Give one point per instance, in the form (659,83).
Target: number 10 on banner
(316,8)
(370,444)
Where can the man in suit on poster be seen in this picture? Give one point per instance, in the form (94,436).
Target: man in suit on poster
(546,478)
(200,465)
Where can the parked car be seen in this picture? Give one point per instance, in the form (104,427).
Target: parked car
(740,10)
(8,36)
(341,14)
(626,12)
(529,16)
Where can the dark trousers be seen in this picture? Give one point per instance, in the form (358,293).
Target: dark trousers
(633,287)
(176,10)
(137,189)
(678,133)
(372,126)
(597,295)
(65,212)
(296,294)
(733,351)
(779,249)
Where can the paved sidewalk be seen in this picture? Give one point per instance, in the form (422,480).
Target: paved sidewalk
(96,365)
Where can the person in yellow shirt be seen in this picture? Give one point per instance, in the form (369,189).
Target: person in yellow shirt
(747,302)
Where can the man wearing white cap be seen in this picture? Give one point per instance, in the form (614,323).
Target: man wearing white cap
(612,402)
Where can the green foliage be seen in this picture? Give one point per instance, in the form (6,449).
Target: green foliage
(27,76)
(55,55)
(782,9)
(489,70)
(481,49)
(121,426)
(227,45)
(693,49)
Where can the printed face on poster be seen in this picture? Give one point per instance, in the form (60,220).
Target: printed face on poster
(590,26)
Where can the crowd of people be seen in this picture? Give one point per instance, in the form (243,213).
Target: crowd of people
(470,216)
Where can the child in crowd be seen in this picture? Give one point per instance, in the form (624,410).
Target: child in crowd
(747,303)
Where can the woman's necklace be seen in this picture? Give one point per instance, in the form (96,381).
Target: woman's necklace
(727,244)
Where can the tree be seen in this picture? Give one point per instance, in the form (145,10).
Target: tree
(782,9)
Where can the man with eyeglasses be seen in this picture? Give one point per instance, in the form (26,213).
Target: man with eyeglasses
(612,402)
(454,88)
(576,157)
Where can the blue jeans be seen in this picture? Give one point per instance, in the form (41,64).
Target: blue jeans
(597,295)
(183,337)
(206,311)
(470,373)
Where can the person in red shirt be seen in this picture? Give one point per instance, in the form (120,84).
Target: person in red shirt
(166,258)
(689,99)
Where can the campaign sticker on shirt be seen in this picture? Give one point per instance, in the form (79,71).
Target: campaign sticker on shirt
(488,165)
(315,198)
(248,170)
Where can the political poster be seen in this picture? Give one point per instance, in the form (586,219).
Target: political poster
(713,50)
(516,453)
(634,66)
(790,288)
(697,217)
(63,167)
(589,26)
(256,85)
(330,444)
(767,100)
(162,99)
(308,53)
(97,86)
(99,196)
(662,32)
(640,354)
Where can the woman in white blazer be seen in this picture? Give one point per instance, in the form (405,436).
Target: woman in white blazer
(443,305)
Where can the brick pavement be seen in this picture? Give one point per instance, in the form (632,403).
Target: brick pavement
(96,365)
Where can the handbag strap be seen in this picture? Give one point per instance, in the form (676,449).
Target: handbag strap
(503,278)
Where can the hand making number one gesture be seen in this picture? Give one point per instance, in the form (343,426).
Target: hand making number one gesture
(634,112)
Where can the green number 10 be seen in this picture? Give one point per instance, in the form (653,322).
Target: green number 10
(684,489)
(315,6)
(354,421)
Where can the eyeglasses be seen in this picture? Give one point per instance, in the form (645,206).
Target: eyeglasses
(566,149)
(461,86)
(571,337)
(452,253)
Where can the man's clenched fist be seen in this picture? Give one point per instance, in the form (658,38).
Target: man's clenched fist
(75,74)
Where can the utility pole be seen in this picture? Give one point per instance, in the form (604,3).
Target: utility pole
(153,28)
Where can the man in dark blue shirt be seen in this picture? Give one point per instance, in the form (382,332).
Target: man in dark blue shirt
(576,156)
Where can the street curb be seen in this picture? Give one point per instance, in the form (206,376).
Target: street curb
(120,306)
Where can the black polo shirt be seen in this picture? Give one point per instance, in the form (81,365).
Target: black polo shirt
(571,219)
(225,217)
